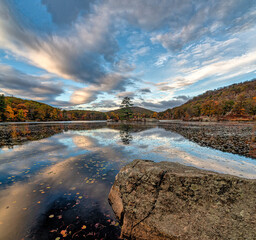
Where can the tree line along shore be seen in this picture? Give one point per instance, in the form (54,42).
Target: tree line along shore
(234,102)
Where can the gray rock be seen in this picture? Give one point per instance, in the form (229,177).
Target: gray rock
(171,201)
(150,120)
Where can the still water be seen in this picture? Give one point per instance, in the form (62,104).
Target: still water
(55,177)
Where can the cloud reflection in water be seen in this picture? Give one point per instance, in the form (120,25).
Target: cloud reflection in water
(69,175)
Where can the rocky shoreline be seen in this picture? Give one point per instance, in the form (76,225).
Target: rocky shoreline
(134,120)
(171,201)
(232,137)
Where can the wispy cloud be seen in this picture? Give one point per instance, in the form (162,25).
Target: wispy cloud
(41,88)
(101,47)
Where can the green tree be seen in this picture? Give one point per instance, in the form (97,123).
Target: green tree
(126,111)
(2,107)
(227,106)
(127,102)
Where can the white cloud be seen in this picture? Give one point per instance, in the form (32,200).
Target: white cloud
(109,83)
(217,70)
(141,51)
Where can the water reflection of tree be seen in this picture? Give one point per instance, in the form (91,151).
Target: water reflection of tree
(15,134)
(125,134)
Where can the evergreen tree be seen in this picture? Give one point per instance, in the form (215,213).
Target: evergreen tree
(2,107)
(125,106)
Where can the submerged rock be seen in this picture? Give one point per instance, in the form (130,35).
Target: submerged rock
(171,201)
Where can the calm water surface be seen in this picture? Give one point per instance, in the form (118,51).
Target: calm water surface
(55,177)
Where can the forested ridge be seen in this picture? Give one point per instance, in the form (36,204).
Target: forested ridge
(20,110)
(17,109)
(237,101)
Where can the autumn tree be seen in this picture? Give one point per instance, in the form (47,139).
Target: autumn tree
(239,106)
(54,114)
(208,108)
(9,113)
(113,115)
(250,106)
(22,115)
(155,115)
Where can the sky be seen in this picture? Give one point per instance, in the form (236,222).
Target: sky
(90,54)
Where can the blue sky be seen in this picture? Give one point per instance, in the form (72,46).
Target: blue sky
(90,54)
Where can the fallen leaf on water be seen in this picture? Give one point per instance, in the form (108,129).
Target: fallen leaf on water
(51,216)
(83,227)
(64,233)
(38,202)
(80,197)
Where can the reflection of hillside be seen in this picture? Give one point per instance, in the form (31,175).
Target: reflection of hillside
(133,127)
(15,134)
(233,138)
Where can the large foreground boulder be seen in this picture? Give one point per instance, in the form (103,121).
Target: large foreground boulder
(171,201)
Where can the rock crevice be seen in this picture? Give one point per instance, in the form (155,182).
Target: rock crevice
(154,203)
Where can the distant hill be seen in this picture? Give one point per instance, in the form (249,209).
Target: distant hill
(135,113)
(227,103)
(135,110)
(17,109)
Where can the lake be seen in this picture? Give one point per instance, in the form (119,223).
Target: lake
(55,177)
